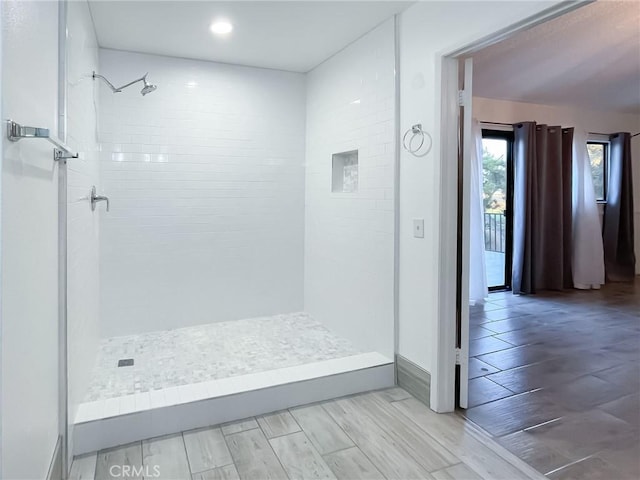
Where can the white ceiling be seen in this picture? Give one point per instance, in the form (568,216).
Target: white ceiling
(588,58)
(294,36)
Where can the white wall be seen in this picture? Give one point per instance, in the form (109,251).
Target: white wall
(486,109)
(1,250)
(429,30)
(82,224)
(349,236)
(29,242)
(206,181)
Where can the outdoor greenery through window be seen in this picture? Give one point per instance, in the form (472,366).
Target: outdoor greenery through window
(598,158)
(494,169)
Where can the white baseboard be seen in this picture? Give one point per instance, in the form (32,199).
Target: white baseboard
(55,468)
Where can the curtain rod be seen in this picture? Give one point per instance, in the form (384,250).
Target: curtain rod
(598,133)
(590,133)
(499,123)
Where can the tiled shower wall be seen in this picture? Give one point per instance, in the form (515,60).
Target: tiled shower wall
(82,223)
(349,236)
(206,182)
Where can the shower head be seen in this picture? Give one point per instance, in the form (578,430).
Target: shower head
(147,88)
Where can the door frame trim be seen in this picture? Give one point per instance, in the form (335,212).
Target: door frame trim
(443,381)
(64,430)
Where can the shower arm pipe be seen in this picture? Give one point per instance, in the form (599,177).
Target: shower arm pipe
(119,89)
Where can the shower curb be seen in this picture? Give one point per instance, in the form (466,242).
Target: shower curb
(118,430)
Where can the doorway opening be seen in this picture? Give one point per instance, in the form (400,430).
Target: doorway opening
(529,367)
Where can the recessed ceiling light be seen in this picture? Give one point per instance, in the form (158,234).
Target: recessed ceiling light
(221,27)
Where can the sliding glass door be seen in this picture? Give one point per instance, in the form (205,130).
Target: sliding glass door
(497,170)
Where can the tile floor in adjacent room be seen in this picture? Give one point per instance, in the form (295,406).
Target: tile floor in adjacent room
(191,355)
(378,435)
(555,378)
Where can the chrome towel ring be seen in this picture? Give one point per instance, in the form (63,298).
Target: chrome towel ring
(417,132)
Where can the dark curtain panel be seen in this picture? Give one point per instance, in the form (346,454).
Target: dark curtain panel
(542,208)
(619,258)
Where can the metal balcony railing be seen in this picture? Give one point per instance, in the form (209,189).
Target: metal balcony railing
(495,227)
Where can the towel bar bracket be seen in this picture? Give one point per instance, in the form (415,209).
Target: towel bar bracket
(16,132)
(62,155)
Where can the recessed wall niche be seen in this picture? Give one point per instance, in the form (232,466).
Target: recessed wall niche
(344,177)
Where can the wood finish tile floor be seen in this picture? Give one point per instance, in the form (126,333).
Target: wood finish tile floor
(379,435)
(556,379)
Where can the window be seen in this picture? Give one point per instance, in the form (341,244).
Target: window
(598,157)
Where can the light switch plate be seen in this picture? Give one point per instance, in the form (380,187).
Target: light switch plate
(418,227)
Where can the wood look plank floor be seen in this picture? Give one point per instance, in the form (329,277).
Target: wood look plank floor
(206,449)
(111,463)
(573,370)
(352,463)
(227,472)
(253,456)
(278,424)
(379,435)
(299,458)
(456,472)
(323,432)
(83,467)
(166,458)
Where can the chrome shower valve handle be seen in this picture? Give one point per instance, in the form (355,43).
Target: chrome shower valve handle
(97,198)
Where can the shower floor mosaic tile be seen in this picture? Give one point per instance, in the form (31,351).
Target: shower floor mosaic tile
(213,351)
